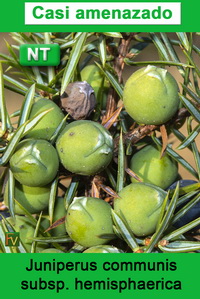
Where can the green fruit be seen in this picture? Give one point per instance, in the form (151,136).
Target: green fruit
(140,204)
(51,250)
(148,165)
(93,75)
(33,199)
(151,96)
(35,163)
(103,249)
(48,124)
(87,219)
(59,212)
(45,222)
(85,147)
(26,229)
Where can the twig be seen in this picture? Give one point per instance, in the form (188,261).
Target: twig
(118,65)
(140,132)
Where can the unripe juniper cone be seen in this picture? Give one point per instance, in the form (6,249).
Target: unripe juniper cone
(148,164)
(85,147)
(33,199)
(51,250)
(88,219)
(103,249)
(35,162)
(151,96)
(92,74)
(140,204)
(59,212)
(48,124)
(26,228)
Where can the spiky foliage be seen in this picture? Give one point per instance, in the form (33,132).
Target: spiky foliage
(113,53)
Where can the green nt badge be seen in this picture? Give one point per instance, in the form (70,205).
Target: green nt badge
(39,55)
(12,239)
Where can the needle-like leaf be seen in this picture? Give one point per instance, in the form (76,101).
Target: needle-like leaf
(73,61)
